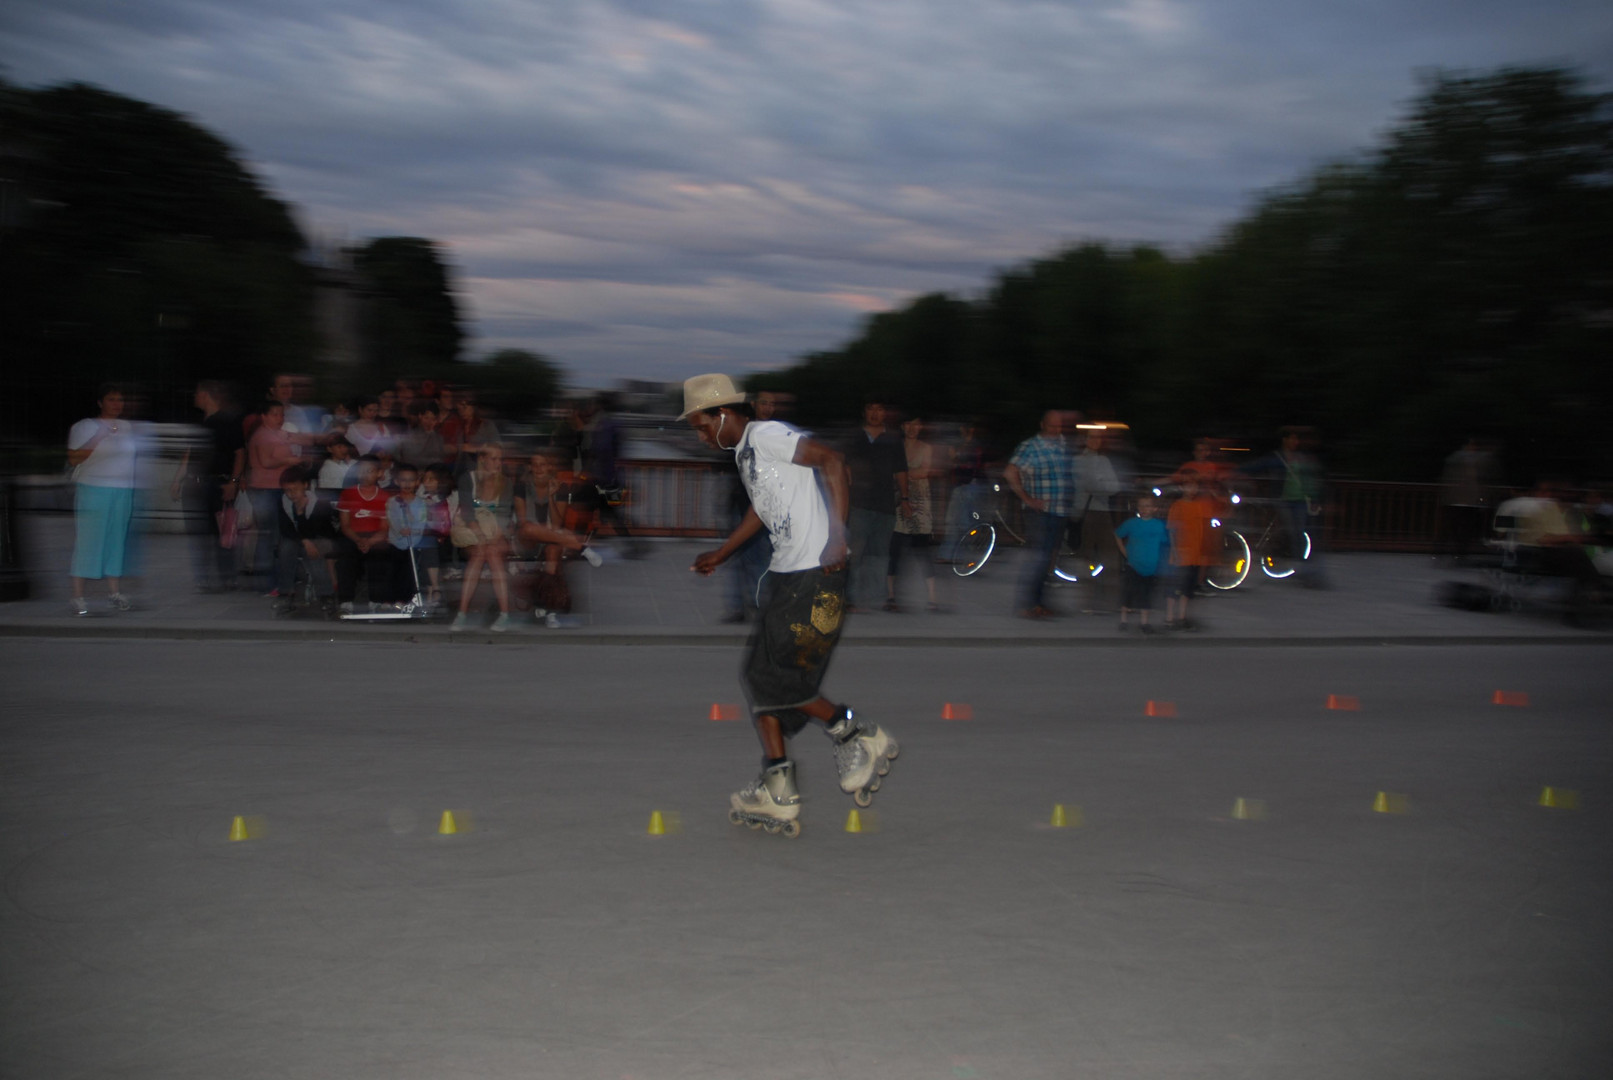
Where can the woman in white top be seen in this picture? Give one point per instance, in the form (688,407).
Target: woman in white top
(103,451)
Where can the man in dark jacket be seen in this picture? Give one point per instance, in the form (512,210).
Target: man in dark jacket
(308,535)
(878,465)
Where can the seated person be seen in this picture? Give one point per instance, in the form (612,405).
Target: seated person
(363,541)
(483,521)
(336,472)
(437,490)
(540,518)
(408,516)
(307,535)
(1544,538)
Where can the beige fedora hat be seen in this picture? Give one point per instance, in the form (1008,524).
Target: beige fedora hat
(708,392)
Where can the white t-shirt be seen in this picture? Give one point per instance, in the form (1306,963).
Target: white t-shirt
(785,495)
(113,461)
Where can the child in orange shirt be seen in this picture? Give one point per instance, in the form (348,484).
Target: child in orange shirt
(1193,549)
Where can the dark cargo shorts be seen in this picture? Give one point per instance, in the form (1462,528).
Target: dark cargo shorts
(796,632)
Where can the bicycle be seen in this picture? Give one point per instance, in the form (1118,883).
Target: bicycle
(1276,553)
(972,550)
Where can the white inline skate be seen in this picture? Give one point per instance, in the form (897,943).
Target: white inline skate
(863,755)
(770,803)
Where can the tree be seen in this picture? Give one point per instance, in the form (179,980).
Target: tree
(1455,280)
(414,319)
(136,246)
(516,382)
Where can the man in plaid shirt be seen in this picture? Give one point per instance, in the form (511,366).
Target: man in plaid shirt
(1041,474)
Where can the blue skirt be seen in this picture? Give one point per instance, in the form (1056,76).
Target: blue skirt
(102,515)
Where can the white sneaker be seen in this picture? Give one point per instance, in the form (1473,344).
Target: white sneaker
(80,608)
(592,556)
(501,624)
(118,602)
(461,622)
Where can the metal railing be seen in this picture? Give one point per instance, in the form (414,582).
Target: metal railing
(691,499)
(1363,515)
(678,498)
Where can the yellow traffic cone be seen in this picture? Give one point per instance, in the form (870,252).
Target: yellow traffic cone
(1248,809)
(1557,798)
(854,822)
(447,826)
(657,824)
(1389,803)
(1061,820)
(238,828)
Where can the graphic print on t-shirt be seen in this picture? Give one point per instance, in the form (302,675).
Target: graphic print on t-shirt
(766,493)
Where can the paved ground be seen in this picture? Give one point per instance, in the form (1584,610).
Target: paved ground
(1374,598)
(959,936)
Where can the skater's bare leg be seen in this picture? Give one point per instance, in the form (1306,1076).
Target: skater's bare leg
(772,736)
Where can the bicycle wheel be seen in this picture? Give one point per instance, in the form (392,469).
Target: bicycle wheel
(1072,567)
(1233,568)
(1281,559)
(973,549)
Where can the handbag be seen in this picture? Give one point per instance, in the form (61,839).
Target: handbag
(228,529)
(485,530)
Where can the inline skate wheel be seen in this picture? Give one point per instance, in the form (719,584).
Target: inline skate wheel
(892,750)
(863,797)
(753,824)
(884,766)
(735,817)
(792,829)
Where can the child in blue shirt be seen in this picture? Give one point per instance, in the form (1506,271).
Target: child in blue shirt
(1145,541)
(409,528)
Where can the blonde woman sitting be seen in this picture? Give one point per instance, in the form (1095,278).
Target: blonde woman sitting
(482,528)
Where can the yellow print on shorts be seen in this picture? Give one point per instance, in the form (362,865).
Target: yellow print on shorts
(827,610)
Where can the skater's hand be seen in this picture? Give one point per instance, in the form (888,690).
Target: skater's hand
(834,554)
(706,562)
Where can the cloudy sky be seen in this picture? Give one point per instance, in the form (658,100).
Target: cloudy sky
(647,189)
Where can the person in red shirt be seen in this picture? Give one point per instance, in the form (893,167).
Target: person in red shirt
(364,540)
(1213,476)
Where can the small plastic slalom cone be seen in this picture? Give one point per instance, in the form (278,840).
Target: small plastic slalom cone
(1556,798)
(1510,697)
(657,824)
(1344,702)
(238,828)
(724,712)
(854,822)
(1248,809)
(1387,802)
(447,826)
(949,711)
(1061,820)
(1159,708)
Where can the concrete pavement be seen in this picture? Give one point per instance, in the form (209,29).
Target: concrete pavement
(958,937)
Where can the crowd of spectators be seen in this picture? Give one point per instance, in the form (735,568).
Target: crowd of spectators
(385,503)
(367,509)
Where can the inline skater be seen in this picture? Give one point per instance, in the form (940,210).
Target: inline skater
(801,615)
